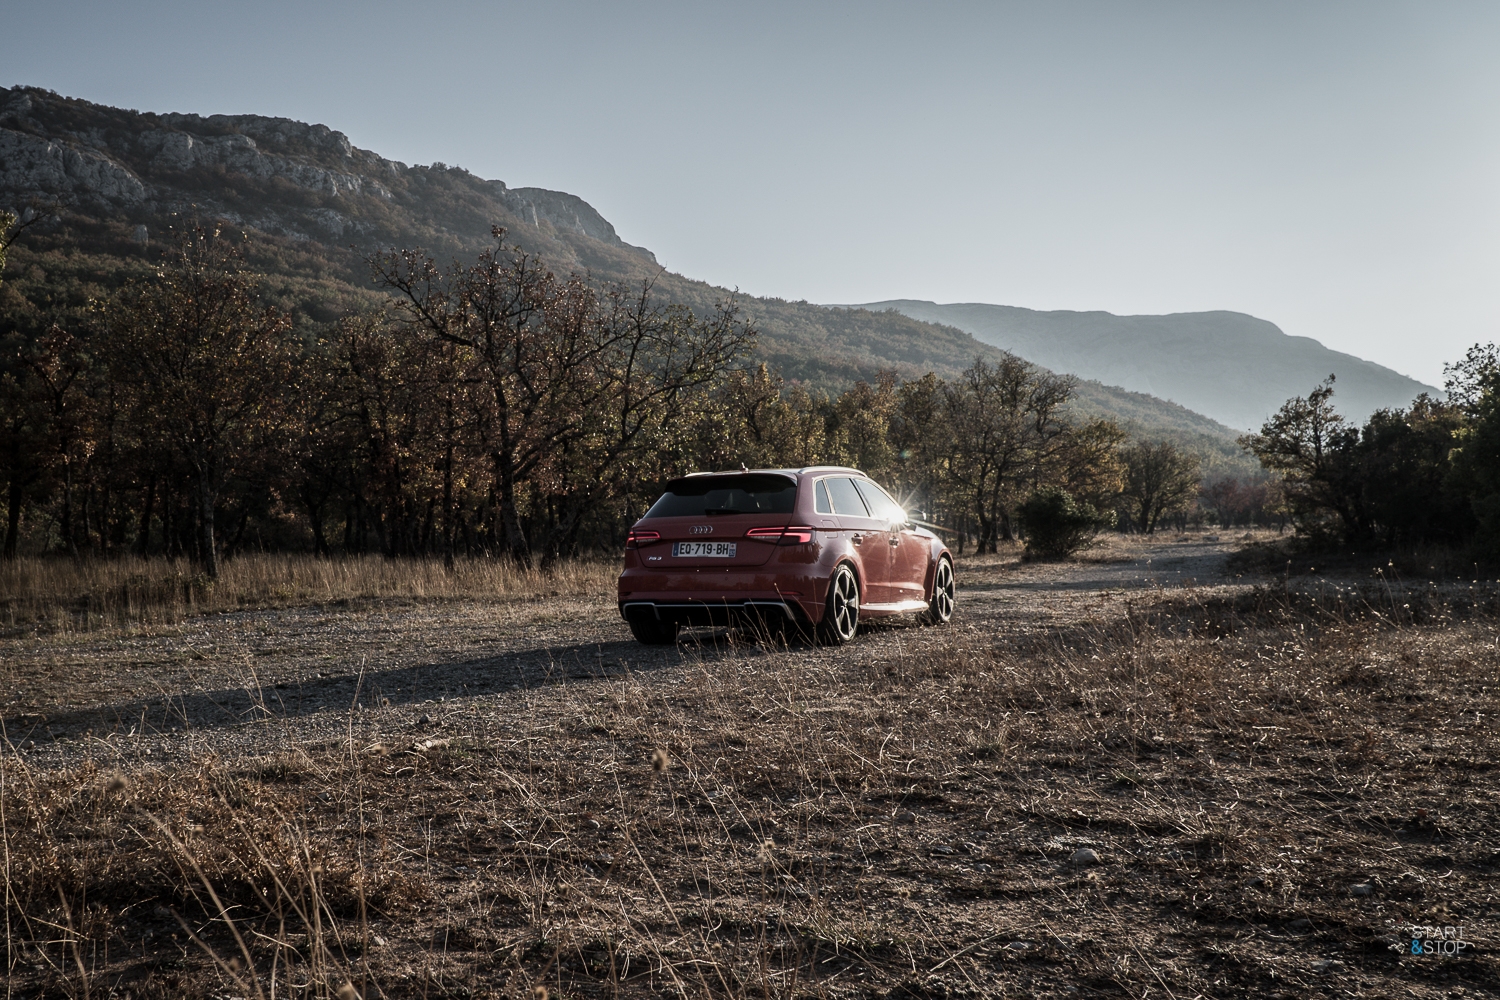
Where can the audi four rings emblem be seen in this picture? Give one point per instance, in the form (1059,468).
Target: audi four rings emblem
(703,529)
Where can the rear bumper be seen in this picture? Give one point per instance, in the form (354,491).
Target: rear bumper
(792,586)
(700,613)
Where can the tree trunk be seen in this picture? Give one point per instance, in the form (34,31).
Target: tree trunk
(383,538)
(510,517)
(985,543)
(144,541)
(564,535)
(448,501)
(208,556)
(239,534)
(168,518)
(84,515)
(423,544)
(67,511)
(315,516)
(13,520)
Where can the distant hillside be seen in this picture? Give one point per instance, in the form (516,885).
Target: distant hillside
(316,204)
(1235,368)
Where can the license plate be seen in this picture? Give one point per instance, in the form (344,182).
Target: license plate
(713,550)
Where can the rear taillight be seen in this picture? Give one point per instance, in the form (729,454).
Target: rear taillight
(638,538)
(796,535)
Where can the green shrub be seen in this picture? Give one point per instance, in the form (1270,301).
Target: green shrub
(1057,524)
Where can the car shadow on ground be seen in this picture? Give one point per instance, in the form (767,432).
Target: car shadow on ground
(376,687)
(397,686)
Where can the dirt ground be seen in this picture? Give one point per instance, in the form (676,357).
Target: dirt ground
(1131,774)
(152,694)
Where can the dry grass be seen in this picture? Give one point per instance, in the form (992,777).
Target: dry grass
(1290,557)
(791,824)
(72,594)
(1112,546)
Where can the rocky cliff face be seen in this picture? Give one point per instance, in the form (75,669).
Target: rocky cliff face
(49,152)
(38,167)
(276,175)
(559,209)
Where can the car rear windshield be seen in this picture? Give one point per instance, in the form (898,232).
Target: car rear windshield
(697,496)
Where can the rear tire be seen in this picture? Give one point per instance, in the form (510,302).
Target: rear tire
(652,632)
(841,612)
(940,608)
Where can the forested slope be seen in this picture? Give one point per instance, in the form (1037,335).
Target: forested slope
(317,206)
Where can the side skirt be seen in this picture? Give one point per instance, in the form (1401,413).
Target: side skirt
(897,608)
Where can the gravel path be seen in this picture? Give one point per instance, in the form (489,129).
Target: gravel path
(260,682)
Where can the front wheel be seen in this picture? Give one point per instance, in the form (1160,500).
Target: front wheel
(940,608)
(841,613)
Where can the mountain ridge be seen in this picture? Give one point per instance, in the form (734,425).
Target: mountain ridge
(318,204)
(1196,359)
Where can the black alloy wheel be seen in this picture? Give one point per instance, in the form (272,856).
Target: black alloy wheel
(940,608)
(841,613)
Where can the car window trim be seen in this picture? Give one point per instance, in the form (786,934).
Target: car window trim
(872,484)
(838,513)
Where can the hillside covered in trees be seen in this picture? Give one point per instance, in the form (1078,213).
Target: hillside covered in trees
(116,180)
(1197,359)
(236,332)
(482,408)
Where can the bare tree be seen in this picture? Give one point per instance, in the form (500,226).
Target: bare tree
(575,383)
(55,373)
(1004,420)
(1160,480)
(754,419)
(203,365)
(657,366)
(42,405)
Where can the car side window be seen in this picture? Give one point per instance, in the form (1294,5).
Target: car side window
(821,493)
(880,503)
(846,498)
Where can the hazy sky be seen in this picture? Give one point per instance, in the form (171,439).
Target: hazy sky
(1334,168)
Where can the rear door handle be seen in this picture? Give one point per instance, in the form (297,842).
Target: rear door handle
(858,539)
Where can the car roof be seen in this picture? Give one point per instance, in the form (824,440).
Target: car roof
(804,471)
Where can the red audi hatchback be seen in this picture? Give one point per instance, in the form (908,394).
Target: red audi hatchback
(817,549)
